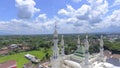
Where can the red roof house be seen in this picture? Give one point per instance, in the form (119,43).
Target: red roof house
(9,64)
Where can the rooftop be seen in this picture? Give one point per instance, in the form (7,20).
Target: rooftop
(11,63)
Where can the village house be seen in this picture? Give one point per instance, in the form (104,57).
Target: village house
(9,64)
(4,51)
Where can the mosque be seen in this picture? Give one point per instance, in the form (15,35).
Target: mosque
(81,58)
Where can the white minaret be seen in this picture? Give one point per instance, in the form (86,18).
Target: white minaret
(78,42)
(55,48)
(86,52)
(62,46)
(55,60)
(101,48)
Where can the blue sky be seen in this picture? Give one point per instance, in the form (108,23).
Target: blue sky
(51,7)
(72,16)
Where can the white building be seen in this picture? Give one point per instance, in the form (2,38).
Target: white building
(81,58)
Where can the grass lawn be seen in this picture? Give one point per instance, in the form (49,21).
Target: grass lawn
(20,59)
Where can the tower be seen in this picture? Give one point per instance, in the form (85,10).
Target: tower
(80,49)
(55,57)
(101,48)
(55,48)
(86,52)
(62,46)
(78,42)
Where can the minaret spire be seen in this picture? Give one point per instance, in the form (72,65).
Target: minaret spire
(55,25)
(86,51)
(101,47)
(55,62)
(78,42)
(55,40)
(62,46)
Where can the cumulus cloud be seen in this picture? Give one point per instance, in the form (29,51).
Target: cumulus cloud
(86,14)
(41,18)
(82,13)
(63,12)
(16,27)
(92,17)
(25,27)
(116,3)
(26,8)
(69,11)
(110,21)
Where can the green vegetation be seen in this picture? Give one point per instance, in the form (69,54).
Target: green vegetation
(21,60)
(41,46)
(113,46)
(33,41)
(45,41)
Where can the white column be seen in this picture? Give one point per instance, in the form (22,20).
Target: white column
(55,48)
(62,46)
(55,58)
(101,48)
(78,42)
(86,51)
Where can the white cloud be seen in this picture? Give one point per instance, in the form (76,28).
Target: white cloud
(28,27)
(69,11)
(110,23)
(41,18)
(63,12)
(116,3)
(70,8)
(17,27)
(97,12)
(90,17)
(86,12)
(26,8)
(82,13)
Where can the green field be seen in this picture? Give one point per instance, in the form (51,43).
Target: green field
(20,59)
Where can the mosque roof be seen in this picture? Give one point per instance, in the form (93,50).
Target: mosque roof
(79,52)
